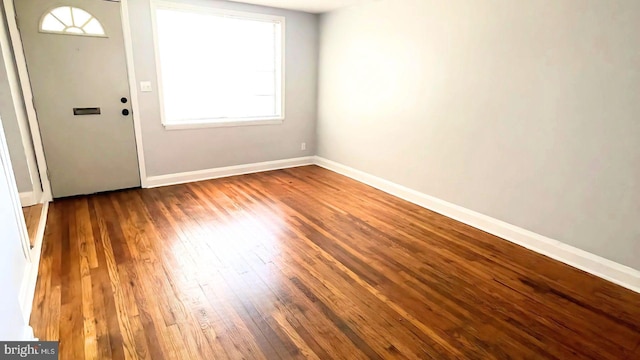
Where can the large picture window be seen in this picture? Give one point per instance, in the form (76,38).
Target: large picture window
(218,67)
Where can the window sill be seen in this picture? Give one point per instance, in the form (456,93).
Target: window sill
(221,123)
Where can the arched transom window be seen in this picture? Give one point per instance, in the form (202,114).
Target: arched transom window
(72,21)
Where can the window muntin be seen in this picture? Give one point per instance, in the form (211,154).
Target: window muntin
(217,66)
(71,21)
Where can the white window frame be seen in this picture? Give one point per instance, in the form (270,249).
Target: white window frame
(218,122)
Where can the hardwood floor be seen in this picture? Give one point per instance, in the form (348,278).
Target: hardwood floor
(305,263)
(32,218)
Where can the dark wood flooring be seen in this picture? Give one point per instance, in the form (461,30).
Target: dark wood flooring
(305,263)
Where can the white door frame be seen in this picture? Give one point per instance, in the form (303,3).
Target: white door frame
(27,95)
(133,89)
(35,195)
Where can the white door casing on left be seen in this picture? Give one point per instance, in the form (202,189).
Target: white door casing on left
(14,255)
(17,114)
(28,113)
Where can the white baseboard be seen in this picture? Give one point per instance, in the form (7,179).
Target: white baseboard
(28,198)
(593,264)
(200,175)
(31,274)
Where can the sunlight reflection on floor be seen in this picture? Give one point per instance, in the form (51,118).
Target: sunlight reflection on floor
(231,246)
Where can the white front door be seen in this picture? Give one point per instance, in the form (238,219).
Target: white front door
(77,66)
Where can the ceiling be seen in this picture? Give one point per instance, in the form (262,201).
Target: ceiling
(312,6)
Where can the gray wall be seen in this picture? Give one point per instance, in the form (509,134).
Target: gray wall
(175,151)
(12,130)
(526,111)
(14,138)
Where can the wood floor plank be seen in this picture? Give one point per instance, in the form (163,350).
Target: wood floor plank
(306,291)
(32,216)
(306,263)
(71,315)
(108,230)
(47,295)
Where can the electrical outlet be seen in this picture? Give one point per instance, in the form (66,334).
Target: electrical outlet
(303,146)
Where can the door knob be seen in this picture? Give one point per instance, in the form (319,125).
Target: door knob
(125,112)
(124,100)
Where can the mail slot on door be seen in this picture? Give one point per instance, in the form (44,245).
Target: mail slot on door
(86,111)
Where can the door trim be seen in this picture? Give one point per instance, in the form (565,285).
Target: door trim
(27,97)
(133,89)
(27,94)
(6,174)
